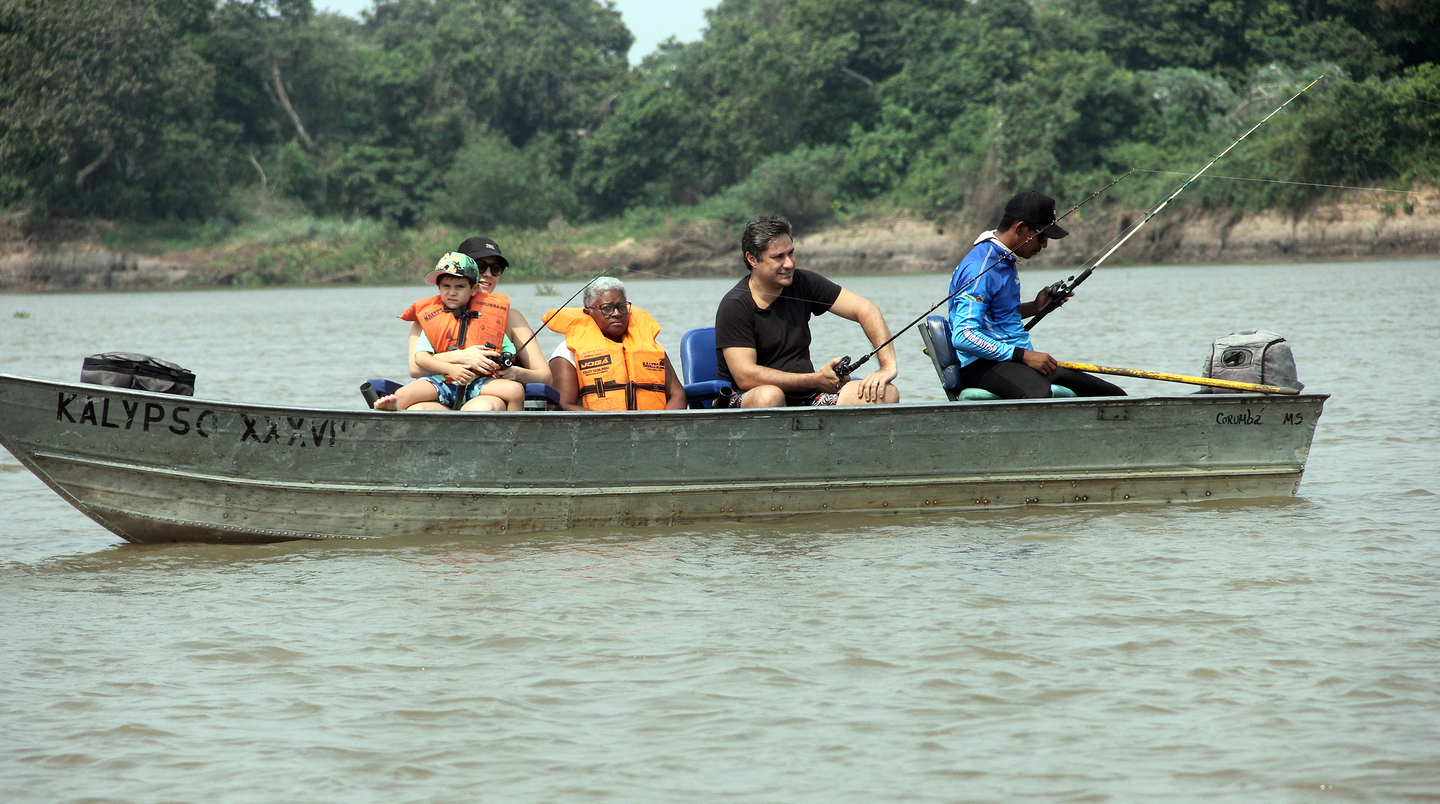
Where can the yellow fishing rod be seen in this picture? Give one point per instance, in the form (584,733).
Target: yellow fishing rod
(1156,375)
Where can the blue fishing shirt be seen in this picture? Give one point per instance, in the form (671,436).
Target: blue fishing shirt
(985,318)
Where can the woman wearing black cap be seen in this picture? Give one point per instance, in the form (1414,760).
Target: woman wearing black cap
(530,364)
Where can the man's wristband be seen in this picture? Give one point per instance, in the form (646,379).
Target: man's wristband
(1018,356)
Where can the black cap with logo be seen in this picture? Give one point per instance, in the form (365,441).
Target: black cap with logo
(1036,209)
(478,248)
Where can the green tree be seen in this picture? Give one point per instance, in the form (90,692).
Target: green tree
(89,91)
(1358,134)
(518,68)
(802,185)
(659,145)
(937,116)
(381,182)
(492,183)
(769,76)
(1233,38)
(391,103)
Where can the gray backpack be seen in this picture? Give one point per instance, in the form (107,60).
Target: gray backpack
(1254,356)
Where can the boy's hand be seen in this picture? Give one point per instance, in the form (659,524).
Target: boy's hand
(469,355)
(483,362)
(459,375)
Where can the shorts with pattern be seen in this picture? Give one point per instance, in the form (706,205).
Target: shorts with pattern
(819,400)
(448,394)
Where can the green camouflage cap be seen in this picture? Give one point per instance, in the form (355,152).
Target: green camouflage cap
(454,264)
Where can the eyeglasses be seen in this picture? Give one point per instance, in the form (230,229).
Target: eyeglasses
(492,268)
(612,309)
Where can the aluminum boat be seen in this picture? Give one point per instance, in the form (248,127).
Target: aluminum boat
(156,467)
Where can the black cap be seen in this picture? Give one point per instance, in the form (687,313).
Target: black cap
(478,248)
(1036,209)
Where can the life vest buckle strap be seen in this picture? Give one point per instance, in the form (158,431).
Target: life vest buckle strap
(600,387)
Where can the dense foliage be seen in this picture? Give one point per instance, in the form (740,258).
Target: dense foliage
(490,112)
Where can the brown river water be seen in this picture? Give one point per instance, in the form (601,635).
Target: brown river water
(1273,651)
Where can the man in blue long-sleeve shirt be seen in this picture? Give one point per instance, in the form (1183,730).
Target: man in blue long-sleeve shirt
(986,317)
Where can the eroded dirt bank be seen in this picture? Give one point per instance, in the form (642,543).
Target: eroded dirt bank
(74,257)
(1357,230)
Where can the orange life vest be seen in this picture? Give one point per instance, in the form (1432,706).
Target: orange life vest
(629,375)
(486,317)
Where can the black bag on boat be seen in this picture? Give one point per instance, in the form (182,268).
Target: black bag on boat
(1255,356)
(141,372)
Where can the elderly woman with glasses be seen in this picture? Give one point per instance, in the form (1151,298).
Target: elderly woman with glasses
(610,359)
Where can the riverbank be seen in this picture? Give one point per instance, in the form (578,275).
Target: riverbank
(71,256)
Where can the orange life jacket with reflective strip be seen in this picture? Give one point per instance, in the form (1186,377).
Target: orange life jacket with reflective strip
(485,319)
(629,375)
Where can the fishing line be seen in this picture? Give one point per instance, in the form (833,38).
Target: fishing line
(507,360)
(1298,183)
(845,367)
(668,276)
(1068,286)
(1378,89)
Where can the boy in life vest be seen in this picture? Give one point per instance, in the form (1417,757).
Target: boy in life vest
(610,359)
(456,335)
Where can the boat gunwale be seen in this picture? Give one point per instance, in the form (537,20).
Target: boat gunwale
(688,413)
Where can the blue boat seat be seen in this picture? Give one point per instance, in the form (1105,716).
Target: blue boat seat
(935,332)
(539,396)
(697,358)
(535,392)
(372,390)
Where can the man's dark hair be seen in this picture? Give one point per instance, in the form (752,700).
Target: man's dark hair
(1006,222)
(760,233)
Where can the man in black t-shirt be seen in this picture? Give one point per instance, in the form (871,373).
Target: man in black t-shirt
(762,330)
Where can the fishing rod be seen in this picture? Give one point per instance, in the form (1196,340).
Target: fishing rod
(1156,375)
(845,367)
(1067,287)
(463,316)
(507,360)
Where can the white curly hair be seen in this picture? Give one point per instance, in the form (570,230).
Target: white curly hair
(604,284)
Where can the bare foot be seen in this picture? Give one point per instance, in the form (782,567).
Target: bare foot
(386,402)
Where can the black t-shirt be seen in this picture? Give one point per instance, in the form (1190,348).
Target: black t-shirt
(779,334)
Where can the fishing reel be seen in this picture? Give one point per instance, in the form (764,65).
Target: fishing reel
(845,368)
(504,359)
(1062,290)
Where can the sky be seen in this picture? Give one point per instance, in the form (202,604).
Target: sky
(650,21)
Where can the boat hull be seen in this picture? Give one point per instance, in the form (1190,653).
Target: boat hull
(154,468)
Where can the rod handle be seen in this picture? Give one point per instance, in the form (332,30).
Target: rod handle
(371,395)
